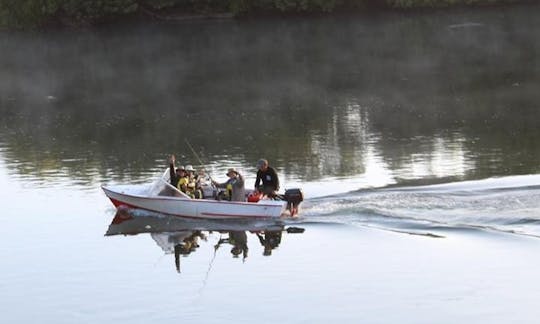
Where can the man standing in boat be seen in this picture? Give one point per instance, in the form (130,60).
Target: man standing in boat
(268,176)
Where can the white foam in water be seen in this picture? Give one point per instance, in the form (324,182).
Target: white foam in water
(485,184)
(509,204)
(335,186)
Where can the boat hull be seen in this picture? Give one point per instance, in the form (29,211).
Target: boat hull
(195,208)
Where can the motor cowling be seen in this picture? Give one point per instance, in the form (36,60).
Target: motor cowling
(294,196)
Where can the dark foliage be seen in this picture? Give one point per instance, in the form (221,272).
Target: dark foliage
(36,13)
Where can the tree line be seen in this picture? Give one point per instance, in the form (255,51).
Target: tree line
(37,13)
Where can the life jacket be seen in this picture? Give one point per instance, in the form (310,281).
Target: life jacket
(228,191)
(187,186)
(183,184)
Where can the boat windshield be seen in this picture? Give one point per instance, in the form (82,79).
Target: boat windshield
(162,187)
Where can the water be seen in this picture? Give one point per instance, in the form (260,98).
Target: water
(508,204)
(413,136)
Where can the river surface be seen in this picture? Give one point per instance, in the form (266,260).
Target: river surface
(414,137)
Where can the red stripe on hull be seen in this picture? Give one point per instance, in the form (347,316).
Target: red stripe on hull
(234,216)
(118,203)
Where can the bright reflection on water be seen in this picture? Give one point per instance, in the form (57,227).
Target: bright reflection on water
(414,137)
(447,158)
(322,99)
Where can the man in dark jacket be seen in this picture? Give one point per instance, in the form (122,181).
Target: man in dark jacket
(173,172)
(268,176)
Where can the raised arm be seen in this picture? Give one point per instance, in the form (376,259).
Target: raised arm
(172,171)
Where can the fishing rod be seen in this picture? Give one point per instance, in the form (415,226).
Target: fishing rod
(196,156)
(210,265)
(193,151)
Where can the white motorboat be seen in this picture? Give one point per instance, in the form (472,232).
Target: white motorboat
(163,198)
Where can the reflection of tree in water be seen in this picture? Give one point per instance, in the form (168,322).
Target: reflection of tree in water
(325,101)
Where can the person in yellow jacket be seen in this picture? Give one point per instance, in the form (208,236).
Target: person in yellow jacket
(183,179)
(187,183)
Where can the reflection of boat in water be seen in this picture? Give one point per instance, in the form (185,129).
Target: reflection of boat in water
(183,236)
(163,198)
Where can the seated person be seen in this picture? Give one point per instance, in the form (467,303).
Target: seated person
(174,177)
(234,186)
(191,186)
(183,180)
(173,173)
(204,184)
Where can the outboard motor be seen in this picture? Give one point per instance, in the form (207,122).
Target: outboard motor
(293,197)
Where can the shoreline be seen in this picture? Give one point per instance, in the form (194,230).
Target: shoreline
(75,20)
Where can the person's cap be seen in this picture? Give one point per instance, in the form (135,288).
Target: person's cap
(181,168)
(231,170)
(261,163)
(189,168)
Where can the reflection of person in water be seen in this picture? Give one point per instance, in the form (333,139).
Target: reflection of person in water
(270,240)
(186,246)
(238,239)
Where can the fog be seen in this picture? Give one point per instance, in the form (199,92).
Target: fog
(317,96)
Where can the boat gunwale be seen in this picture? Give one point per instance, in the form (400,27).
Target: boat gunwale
(107,189)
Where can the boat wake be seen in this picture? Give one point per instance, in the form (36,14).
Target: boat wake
(508,204)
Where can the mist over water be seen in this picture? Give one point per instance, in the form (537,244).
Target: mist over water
(408,97)
(392,124)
